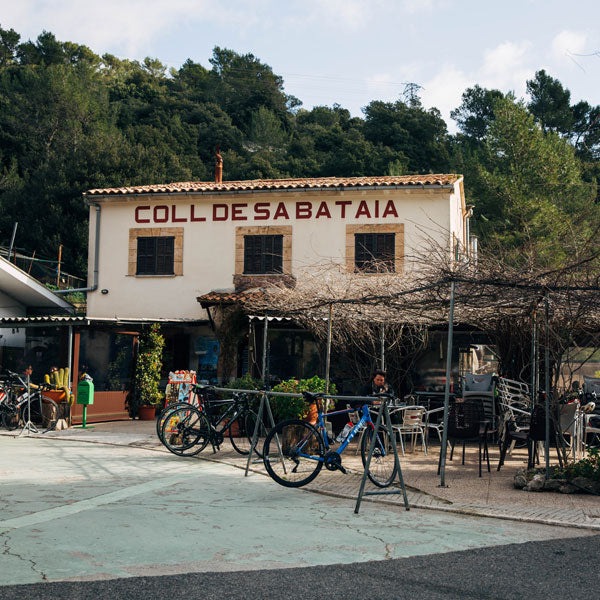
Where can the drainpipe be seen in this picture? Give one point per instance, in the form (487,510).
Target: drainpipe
(468,216)
(474,250)
(94,285)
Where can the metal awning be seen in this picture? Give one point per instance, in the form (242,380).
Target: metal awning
(57,320)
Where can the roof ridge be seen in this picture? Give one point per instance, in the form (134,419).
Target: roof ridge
(439,179)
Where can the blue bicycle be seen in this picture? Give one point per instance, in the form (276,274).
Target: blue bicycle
(295,451)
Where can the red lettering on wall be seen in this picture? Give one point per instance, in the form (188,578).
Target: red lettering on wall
(303,210)
(165,214)
(236,212)
(363,210)
(216,216)
(138,218)
(174,215)
(323,211)
(376,208)
(193,217)
(281,211)
(390,209)
(261,211)
(343,204)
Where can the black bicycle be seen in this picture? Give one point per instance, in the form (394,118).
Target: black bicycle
(18,406)
(187,429)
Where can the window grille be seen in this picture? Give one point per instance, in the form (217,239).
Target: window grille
(374,252)
(155,255)
(263,254)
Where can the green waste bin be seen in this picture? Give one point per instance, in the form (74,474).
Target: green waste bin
(85,396)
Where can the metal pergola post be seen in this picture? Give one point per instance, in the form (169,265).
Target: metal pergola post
(382,332)
(265,340)
(328,355)
(533,358)
(447,388)
(547,384)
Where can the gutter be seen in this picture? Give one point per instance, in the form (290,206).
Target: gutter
(94,285)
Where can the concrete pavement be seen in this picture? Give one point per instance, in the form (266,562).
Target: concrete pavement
(73,510)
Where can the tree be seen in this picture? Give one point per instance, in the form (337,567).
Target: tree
(476,112)
(529,187)
(9,40)
(419,135)
(550,103)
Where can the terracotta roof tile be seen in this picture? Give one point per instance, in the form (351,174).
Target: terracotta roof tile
(280,184)
(212,298)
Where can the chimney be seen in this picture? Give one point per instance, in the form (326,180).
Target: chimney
(218,166)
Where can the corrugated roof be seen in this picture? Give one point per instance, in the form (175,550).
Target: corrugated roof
(79,320)
(281,184)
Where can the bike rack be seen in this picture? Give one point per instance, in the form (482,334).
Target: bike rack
(28,426)
(385,413)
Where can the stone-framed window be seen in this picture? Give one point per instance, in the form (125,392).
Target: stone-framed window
(375,248)
(155,252)
(263,250)
(263,254)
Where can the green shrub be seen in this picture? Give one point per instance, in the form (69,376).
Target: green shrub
(148,366)
(588,467)
(296,408)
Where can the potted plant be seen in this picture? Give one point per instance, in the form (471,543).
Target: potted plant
(147,395)
(296,408)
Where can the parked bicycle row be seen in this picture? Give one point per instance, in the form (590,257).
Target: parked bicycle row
(293,451)
(22,402)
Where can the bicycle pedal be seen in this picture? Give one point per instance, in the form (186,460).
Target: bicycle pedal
(343,470)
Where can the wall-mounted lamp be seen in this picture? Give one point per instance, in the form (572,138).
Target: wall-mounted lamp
(104,291)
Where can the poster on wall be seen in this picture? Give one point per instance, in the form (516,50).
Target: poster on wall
(207,350)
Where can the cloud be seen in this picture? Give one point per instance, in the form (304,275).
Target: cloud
(504,67)
(445,89)
(567,43)
(128,27)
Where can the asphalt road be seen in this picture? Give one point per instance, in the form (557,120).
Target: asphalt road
(561,569)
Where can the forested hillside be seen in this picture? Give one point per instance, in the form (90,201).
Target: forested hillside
(71,120)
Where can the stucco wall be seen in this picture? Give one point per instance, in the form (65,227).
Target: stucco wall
(318,237)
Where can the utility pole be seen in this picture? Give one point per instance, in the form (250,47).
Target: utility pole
(60,247)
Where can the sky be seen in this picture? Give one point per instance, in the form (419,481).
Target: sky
(346,51)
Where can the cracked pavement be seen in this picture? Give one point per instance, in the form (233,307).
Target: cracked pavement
(75,511)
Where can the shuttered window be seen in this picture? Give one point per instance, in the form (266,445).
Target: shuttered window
(155,255)
(263,254)
(374,252)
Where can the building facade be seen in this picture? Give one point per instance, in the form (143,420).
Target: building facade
(155,250)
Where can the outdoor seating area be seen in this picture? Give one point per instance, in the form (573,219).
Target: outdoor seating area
(494,423)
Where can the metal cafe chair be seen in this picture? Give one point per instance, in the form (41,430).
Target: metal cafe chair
(413,425)
(466,423)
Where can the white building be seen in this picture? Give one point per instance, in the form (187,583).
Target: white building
(154,250)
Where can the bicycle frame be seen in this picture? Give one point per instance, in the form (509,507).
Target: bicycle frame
(236,408)
(320,426)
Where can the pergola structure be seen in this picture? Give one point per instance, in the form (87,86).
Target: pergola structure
(442,290)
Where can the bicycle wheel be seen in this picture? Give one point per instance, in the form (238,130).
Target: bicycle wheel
(10,417)
(43,412)
(293,453)
(163,415)
(242,430)
(382,469)
(185,432)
